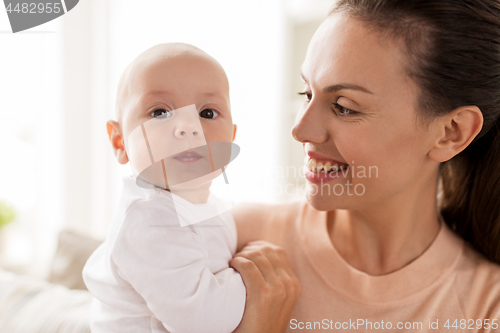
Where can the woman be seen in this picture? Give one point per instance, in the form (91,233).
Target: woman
(410,90)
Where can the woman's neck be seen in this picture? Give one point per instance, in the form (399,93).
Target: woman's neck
(385,238)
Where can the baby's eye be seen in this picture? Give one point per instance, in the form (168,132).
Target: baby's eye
(208,113)
(161,113)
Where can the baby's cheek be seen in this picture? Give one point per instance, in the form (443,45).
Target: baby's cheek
(221,132)
(142,160)
(138,152)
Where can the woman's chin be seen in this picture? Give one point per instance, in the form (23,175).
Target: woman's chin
(322,202)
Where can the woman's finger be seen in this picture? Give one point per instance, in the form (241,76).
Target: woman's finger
(276,255)
(270,304)
(284,271)
(250,273)
(263,263)
(281,276)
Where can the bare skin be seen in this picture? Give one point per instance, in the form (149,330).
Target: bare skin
(396,219)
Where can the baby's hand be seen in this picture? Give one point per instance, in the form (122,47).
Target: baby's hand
(272,287)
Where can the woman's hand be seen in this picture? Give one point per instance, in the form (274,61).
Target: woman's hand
(272,287)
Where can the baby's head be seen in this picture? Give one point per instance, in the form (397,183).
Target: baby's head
(172,100)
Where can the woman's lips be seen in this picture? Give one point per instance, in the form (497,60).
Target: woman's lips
(321,177)
(319,168)
(323,159)
(188,157)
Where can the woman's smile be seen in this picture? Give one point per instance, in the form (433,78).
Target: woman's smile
(322,176)
(319,169)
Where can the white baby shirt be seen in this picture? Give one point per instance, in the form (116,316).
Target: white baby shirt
(152,275)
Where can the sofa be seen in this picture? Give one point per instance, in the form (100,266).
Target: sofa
(59,304)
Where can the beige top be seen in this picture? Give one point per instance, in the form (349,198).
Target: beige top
(450,286)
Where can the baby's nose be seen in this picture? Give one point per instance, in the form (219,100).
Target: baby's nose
(187,131)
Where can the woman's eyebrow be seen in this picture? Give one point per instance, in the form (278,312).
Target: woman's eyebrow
(337,87)
(340,86)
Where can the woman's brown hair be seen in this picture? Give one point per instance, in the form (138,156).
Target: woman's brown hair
(453,52)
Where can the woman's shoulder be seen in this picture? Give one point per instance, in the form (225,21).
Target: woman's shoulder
(259,220)
(263,211)
(478,267)
(478,281)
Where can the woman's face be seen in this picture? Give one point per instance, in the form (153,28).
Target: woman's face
(359,110)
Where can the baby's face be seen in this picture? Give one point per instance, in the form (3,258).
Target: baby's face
(171,105)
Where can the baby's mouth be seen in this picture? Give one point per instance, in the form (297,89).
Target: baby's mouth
(188,156)
(324,166)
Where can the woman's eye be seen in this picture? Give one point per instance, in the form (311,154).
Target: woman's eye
(208,113)
(161,113)
(308,95)
(342,111)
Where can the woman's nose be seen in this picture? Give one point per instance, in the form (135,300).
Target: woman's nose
(309,125)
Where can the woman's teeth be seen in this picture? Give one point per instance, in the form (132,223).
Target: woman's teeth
(315,166)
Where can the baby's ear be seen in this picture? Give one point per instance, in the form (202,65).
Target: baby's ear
(116,139)
(234,131)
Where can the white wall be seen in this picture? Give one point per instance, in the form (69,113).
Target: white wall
(30,144)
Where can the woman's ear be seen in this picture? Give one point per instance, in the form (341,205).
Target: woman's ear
(456,131)
(116,139)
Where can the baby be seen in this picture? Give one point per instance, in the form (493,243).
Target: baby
(164,264)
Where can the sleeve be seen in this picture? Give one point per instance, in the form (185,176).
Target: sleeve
(169,267)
